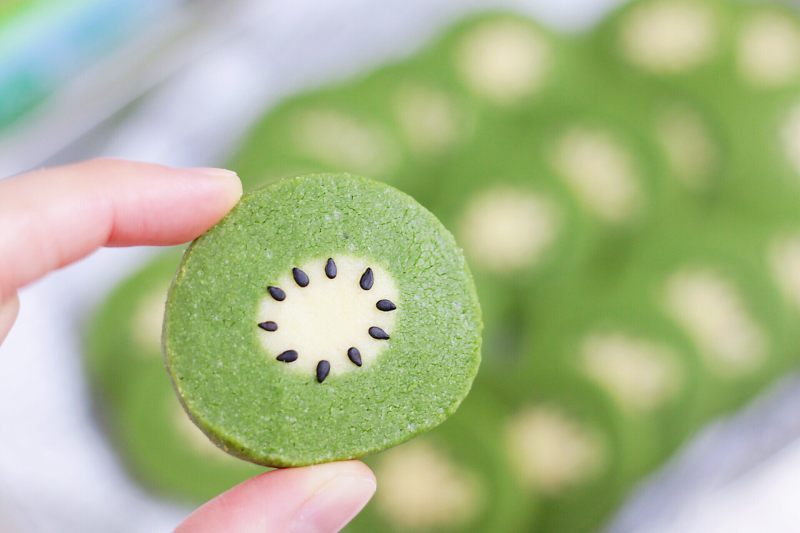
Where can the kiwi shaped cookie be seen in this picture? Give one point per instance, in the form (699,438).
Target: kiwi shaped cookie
(520,229)
(710,282)
(740,60)
(326,317)
(773,254)
(686,132)
(329,129)
(123,337)
(165,452)
(393,124)
(455,478)
(154,438)
(503,61)
(616,338)
(568,447)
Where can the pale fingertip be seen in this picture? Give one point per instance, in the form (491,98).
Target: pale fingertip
(334,504)
(55,216)
(314,498)
(229,177)
(8,315)
(214,172)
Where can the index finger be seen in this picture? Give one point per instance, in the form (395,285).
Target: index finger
(52,217)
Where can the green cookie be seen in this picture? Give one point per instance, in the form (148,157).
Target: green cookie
(740,61)
(326,317)
(323,131)
(773,254)
(124,336)
(398,124)
(502,61)
(165,451)
(708,279)
(455,478)
(156,440)
(567,445)
(615,337)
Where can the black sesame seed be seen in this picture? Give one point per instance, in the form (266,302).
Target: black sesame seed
(323,368)
(288,356)
(367,279)
(277,293)
(355,356)
(377,333)
(269,325)
(385,305)
(330,269)
(300,277)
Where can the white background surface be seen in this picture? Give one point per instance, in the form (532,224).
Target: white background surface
(57,473)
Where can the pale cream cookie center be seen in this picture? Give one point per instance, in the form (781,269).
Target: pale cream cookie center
(669,36)
(768,52)
(147,322)
(642,374)
(784,261)
(551,451)
(328,316)
(688,145)
(196,440)
(430,119)
(790,137)
(600,171)
(505,228)
(340,139)
(714,315)
(504,61)
(422,487)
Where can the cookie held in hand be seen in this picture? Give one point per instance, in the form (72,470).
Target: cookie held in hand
(325,318)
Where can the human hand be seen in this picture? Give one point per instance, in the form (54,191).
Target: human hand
(52,217)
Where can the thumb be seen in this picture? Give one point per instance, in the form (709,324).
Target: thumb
(313,499)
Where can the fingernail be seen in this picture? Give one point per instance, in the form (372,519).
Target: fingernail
(214,172)
(8,314)
(333,505)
